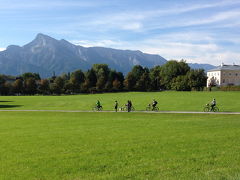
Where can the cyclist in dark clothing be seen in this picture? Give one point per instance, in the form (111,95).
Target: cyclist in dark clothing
(154,104)
(129,105)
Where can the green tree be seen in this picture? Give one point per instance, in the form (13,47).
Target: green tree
(155,78)
(30,86)
(180,83)
(28,75)
(130,82)
(197,79)
(57,87)
(18,86)
(2,84)
(102,72)
(77,78)
(44,87)
(91,79)
(116,84)
(171,70)
(143,84)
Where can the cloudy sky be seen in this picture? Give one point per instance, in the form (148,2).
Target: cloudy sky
(206,31)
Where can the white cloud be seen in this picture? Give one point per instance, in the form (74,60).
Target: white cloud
(2,49)
(172,48)
(100,43)
(132,26)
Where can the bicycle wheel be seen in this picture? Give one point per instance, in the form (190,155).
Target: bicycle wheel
(156,109)
(132,109)
(94,108)
(124,108)
(148,108)
(206,109)
(215,109)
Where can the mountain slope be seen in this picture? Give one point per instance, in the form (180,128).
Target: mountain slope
(45,55)
(206,67)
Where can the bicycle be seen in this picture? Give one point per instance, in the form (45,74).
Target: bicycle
(125,108)
(150,108)
(95,108)
(208,108)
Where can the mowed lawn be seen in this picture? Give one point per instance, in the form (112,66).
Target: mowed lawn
(168,101)
(49,145)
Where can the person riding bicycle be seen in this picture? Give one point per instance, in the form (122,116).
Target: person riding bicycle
(213,104)
(129,105)
(98,104)
(154,104)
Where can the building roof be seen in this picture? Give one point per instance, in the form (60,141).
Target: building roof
(226,67)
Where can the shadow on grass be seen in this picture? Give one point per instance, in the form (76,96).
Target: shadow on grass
(9,106)
(6,101)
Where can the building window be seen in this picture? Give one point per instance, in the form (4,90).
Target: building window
(223,81)
(229,74)
(236,74)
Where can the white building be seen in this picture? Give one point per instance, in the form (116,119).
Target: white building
(224,75)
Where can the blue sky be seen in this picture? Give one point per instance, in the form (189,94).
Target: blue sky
(206,31)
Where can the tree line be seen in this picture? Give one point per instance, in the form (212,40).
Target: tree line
(173,75)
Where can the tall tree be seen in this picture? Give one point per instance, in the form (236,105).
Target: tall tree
(2,84)
(171,70)
(18,86)
(130,82)
(77,78)
(44,87)
(102,72)
(30,86)
(180,83)
(155,78)
(197,79)
(28,75)
(143,84)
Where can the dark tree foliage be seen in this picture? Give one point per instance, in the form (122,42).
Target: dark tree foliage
(155,78)
(44,87)
(76,80)
(57,87)
(28,75)
(18,86)
(196,79)
(173,75)
(180,83)
(30,86)
(130,82)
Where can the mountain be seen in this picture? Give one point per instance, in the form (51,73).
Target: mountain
(45,55)
(206,67)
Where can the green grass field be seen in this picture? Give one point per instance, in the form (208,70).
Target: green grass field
(168,101)
(48,145)
(83,145)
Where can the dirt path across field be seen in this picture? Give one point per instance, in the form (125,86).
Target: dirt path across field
(161,112)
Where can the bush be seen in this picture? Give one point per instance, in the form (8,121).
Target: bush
(230,88)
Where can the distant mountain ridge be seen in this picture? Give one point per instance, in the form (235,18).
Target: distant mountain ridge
(206,67)
(45,55)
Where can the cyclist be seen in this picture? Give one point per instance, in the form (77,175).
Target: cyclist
(129,105)
(154,104)
(98,104)
(213,104)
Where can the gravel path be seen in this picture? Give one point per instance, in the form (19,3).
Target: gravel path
(161,112)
